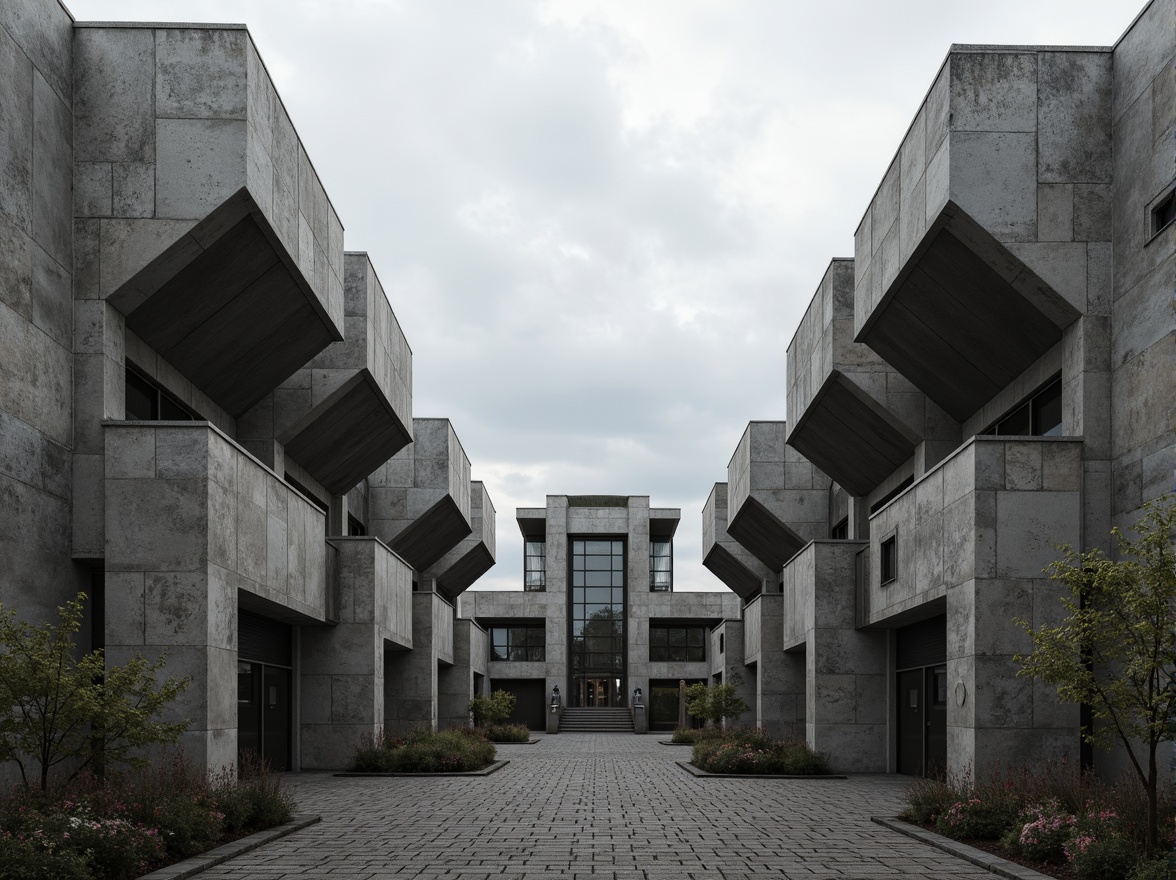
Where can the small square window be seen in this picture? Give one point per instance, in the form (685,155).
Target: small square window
(889,562)
(1163,213)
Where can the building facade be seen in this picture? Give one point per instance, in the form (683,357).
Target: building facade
(597,617)
(991,375)
(206,402)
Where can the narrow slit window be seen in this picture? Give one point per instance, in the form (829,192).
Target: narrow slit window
(1163,213)
(889,561)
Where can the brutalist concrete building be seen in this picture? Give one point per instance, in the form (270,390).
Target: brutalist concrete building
(597,617)
(991,375)
(206,403)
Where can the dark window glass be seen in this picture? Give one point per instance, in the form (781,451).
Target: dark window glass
(597,619)
(840,531)
(142,399)
(1164,213)
(1039,416)
(518,643)
(1047,412)
(1018,423)
(355,528)
(889,566)
(171,411)
(677,644)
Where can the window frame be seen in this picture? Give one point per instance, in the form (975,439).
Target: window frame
(671,642)
(668,586)
(888,573)
(530,646)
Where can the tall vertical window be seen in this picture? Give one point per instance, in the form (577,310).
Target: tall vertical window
(661,566)
(535,566)
(597,616)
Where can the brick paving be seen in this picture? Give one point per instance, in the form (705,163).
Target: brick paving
(595,806)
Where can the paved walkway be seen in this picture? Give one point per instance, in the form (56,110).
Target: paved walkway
(601,806)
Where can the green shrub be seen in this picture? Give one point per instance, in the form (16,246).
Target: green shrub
(23,859)
(507,733)
(492,710)
(425,751)
(752,752)
(1104,858)
(691,735)
(1041,833)
(927,799)
(977,818)
(188,827)
(1156,869)
(256,800)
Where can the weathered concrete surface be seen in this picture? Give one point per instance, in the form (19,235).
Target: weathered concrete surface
(458,569)
(349,409)
(342,666)
(213,193)
(420,498)
(776,500)
(194,527)
(850,412)
(726,558)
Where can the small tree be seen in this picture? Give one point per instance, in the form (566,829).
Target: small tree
(57,708)
(1116,650)
(716,702)
(492,710)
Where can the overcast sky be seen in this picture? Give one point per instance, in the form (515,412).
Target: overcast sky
(600,222)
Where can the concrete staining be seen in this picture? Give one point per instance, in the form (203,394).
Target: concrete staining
(590,805)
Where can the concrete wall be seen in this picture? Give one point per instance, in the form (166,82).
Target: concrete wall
(342,666)
(1021,140)
(1143,344)
(978,532)
(172,122)
(36,308)
(846,683)
(194,523)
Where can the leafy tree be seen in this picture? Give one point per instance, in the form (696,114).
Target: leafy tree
(491,710)
(59,709)
(1116,650)
(716,702)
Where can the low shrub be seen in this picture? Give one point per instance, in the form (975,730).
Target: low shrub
(1041,832)
(927,799)
(256,800)
(977,818)
(753,752)
(1156,869)
(1097,849)
(36,859)
(507,733)
(425,751)
(119,828)
(691,735)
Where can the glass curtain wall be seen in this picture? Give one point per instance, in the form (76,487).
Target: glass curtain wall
(597,616)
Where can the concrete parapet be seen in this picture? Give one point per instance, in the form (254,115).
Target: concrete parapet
(194,526)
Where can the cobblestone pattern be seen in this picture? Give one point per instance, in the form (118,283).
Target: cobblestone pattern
(595,805)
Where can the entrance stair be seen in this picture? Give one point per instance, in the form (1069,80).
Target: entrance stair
(596,719)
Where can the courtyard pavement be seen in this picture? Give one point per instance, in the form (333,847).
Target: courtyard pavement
(595,805)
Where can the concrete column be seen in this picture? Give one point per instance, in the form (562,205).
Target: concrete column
(455,684)
(410,677)
(342,691)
